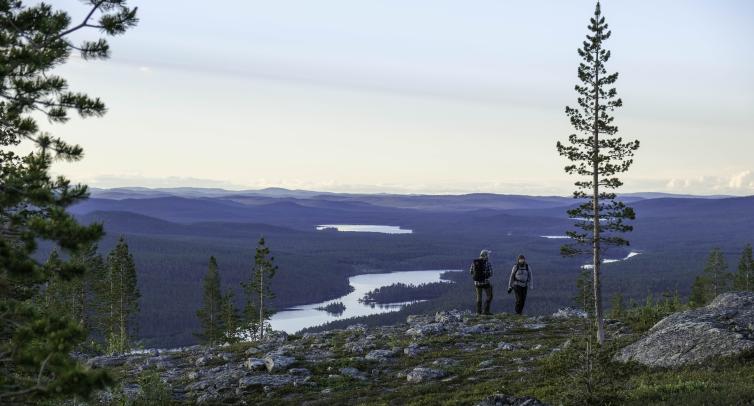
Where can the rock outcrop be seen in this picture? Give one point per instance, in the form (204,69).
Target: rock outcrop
(723,328)
(449,351)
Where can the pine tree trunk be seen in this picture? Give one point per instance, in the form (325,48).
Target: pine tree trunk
(261,304)
(122,326)
(596,212)
(111,299)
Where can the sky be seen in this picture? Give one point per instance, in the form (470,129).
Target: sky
(421,96)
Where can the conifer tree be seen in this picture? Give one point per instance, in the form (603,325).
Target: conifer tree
(230,319)
(258,291)
(717,273)
(598,156)
(698,296)
(744,279)
(584,297)
(72,297)
(714,280)
(35,39)
(93,266)
(121,299)
(210,315)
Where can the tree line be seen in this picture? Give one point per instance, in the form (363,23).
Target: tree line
(103,301)
(220,319)
(716,279)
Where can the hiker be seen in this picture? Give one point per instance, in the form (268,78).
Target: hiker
(520,281)
(481,271)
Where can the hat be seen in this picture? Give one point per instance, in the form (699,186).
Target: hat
(485,253)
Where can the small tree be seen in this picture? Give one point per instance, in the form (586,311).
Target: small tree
(598,156)
(744,279)
(717,273)
(584,297)
(210,315)
(258,290)
(230,319)
(699,296)
(121,299)
(713,281)
(617,307)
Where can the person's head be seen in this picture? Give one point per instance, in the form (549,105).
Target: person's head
(485,254)
(521,259)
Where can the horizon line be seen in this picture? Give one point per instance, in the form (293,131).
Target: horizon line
(407,193)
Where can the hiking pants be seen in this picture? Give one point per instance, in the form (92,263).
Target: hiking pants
(487,289)
(520,292)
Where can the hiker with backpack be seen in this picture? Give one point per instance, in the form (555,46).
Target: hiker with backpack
(481,272)
(520,282)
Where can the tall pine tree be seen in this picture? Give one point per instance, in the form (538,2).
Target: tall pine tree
(120,299)
(210,315)
(598,156)
(258,291)
(35,40)
(744,279)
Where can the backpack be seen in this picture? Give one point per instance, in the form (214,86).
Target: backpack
(480,270)
(518,268)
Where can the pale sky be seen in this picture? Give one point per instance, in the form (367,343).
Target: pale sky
(424,96)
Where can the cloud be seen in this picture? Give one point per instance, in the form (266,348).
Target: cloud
(743,180)
(114,181)
(741,183)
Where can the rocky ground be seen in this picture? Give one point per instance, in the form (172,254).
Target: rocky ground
(448,350)
(454,358)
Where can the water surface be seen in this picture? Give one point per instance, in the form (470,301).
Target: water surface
(365,228)
(301,317)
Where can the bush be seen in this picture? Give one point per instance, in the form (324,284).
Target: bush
(154,392)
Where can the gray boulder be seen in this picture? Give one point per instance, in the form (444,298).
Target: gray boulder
(451,316)
(568,313)
(353,373)
(419,375)
(505,400)
(275,337)
(414,350)
(255,364)
(503,346)
(276,363)
(723,328)
(423,330)
(380,355)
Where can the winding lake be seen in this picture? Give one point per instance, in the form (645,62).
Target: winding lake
(297,318)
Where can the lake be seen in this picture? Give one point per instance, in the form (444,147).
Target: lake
(610,261)
(365,228)
(295,319)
